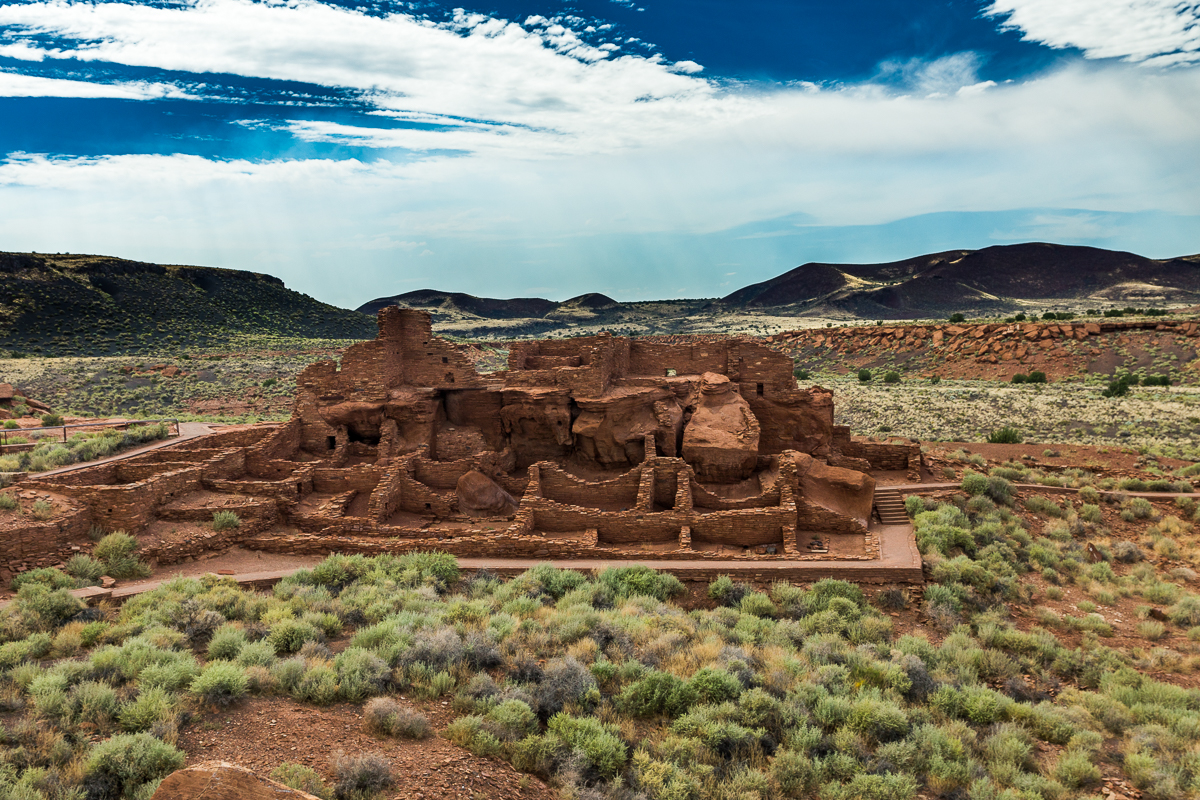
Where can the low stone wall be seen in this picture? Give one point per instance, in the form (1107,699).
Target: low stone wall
(131,506)
(560,486)
(31,544)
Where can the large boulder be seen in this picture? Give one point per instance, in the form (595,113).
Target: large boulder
(479,496)
(720,442)
(220,780)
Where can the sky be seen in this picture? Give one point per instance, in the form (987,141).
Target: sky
(641,148)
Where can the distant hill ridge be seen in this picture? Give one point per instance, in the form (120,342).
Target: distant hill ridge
(992,280)
(97,305)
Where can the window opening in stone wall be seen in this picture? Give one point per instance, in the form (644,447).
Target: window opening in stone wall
(445,360)
(670,372)
(428,507)
(760,388)
(331,442)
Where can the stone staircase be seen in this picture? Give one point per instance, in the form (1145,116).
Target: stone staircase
(889,505)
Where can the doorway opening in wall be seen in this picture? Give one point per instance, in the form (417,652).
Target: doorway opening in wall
(760,389)
(330,442)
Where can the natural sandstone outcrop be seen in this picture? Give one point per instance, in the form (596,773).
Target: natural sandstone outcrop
(720,442)
(480,496)
(611,430)
(846,492)
(220,780)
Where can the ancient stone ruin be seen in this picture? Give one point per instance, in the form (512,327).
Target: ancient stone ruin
(595,447)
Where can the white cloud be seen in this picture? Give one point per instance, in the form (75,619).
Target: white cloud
(553,143)
(1159,32)
(13,84)
(475,67)
(936,77)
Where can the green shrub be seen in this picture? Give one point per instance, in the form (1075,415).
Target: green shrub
(1005,435)
(864,376)
(318,685)
(51,420)
(383,716)
(865,786)
(878,719)
(1020,377)
(758,604)
(657,693)
(1037,377)
(225,520)
(220,684)
(640,580)
(301,778)
(130,760)
(152,706)
(891,377)
(1186,612)
(361,776)
(8,502)
(713,685)
(93,703)
(44,576)
(226,643)
(1117,388)
(117,552)
(84,568)
(361,674)
(974,483)
(1141,508)
(728,593)
(599,744)
(289,635)
(1076,770)
(42,608)
(42,510)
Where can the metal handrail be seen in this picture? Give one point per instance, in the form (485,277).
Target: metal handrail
(4,432)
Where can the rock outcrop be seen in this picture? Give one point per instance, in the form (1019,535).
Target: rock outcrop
(220,780)
(720,442)
(480,496)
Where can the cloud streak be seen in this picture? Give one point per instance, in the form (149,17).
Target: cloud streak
(1156,32)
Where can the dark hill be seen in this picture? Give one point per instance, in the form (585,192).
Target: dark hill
(449,302)
(993,279)
(593,301)
(97,305)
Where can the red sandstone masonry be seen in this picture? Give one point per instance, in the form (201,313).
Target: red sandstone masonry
(395,426)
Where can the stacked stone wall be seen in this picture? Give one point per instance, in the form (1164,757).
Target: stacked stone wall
(560,486)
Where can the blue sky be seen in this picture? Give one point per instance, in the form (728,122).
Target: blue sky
(641,149)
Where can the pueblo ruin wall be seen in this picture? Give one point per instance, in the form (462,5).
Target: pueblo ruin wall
(602,446)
